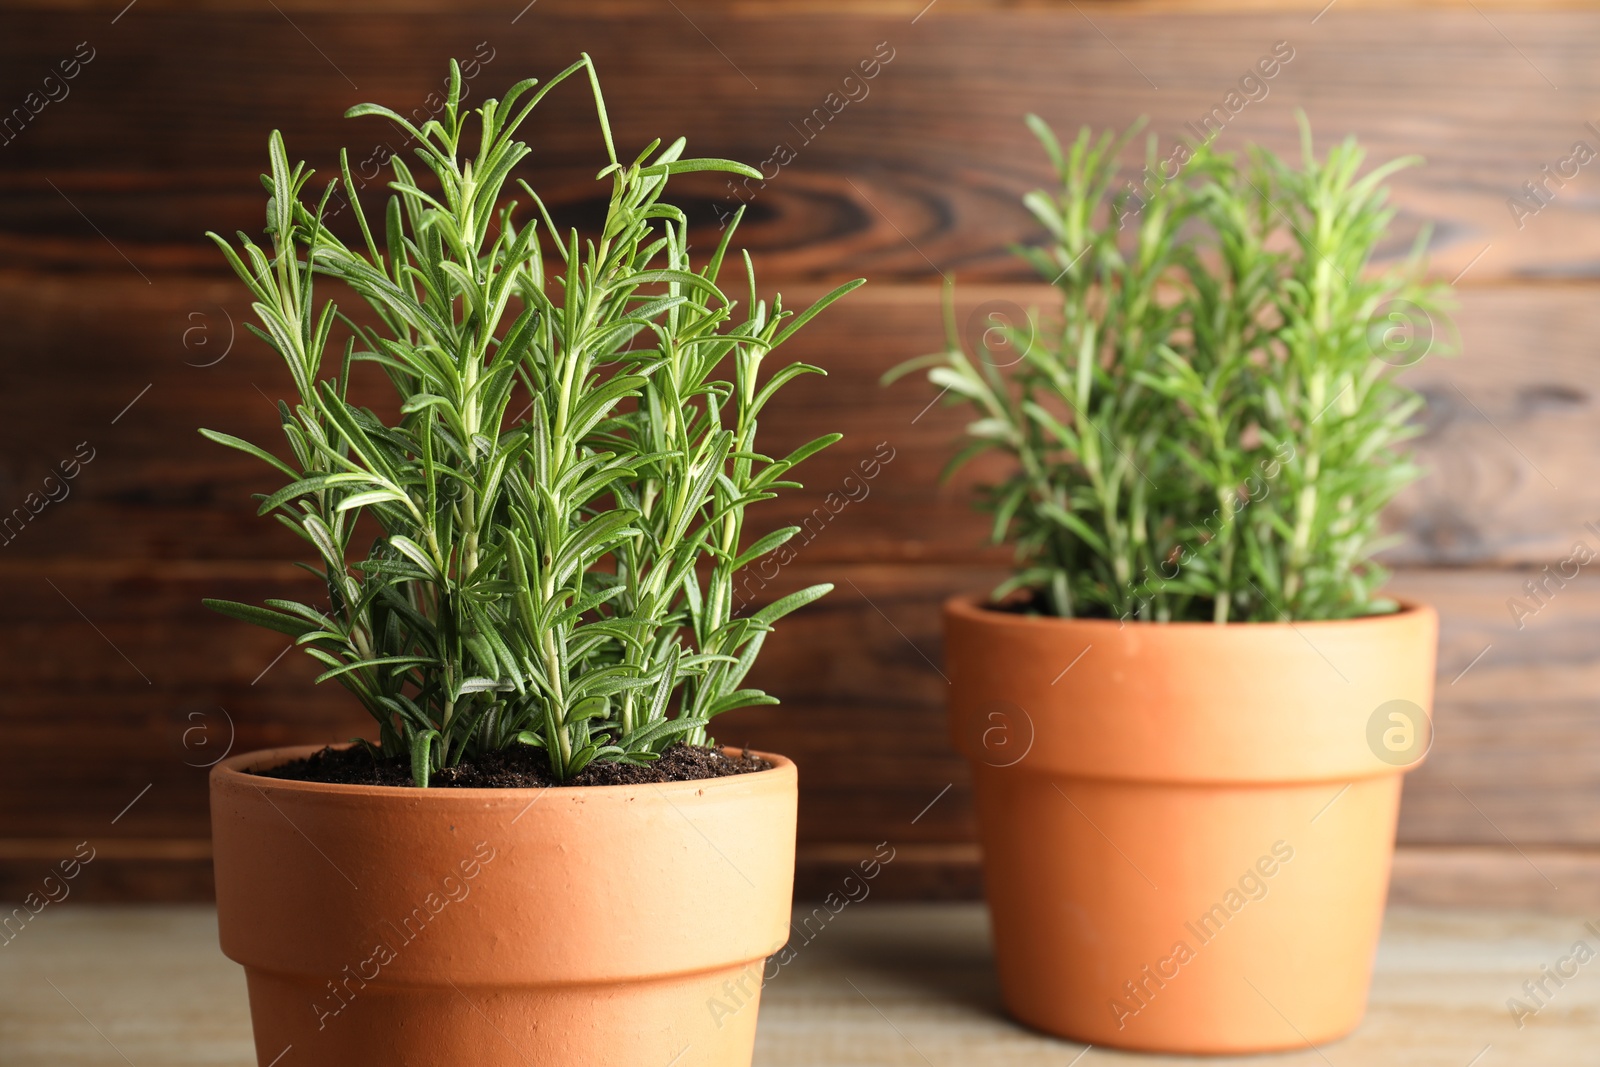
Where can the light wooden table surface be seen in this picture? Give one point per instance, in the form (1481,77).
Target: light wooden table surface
(85,986)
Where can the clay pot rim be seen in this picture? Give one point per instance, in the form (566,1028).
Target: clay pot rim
(234,770)
(974,607)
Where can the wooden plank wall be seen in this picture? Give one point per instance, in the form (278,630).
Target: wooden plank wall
(121,333)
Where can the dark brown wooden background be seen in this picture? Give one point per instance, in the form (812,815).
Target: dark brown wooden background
(118,685)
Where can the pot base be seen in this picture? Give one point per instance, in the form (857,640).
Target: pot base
(300,1022)
(1246,925)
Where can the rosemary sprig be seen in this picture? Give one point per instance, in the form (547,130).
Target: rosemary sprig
(1206,427)
(565,449)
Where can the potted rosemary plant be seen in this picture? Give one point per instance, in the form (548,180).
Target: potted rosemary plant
(1188,712)
(528,554)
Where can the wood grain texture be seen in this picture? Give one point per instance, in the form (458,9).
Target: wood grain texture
(920,176)
(874,986)
(906,9)
(117,319)
(1511,428)
(1517,754)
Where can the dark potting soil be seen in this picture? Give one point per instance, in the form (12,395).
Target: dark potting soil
(1022,602)
(518,767)
(1033,602)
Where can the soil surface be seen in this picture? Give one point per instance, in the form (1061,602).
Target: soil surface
(1021,602)
(518,767)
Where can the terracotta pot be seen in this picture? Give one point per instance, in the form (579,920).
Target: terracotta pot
(573,927)
(1187,828)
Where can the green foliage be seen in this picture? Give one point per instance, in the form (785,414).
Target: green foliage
(1206,428)
(555,508)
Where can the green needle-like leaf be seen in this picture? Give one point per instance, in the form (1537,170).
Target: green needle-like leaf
(551,504)
(1208,425)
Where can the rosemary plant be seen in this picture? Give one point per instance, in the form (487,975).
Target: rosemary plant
(555,508)
(1206,428)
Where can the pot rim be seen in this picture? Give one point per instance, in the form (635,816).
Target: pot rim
(975,607)
(236,770)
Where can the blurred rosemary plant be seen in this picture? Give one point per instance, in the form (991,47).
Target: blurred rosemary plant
(1205,429)
(562,456)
